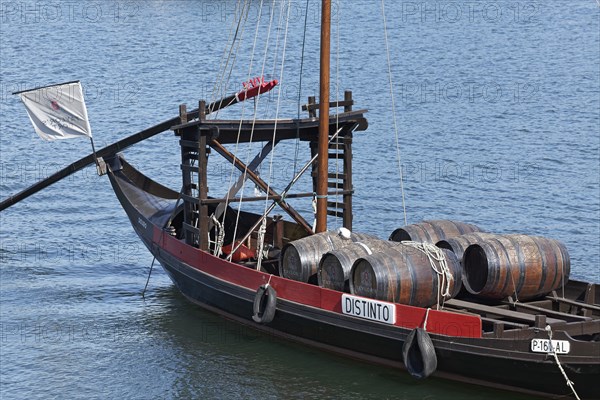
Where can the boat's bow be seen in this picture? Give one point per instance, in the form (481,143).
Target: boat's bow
(146,202)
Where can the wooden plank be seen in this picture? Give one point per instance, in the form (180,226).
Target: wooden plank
(590,294)
(500,312)
(551,313)
(191,145)
(254,198)
(289,129)
(334,204)
(189,168)
(189,199)
(332,104)
(574,303)
(312,111)
(333,175)
(348,100)
(188,206)
(334,213)
(191,228)
(273,198)
(507,324)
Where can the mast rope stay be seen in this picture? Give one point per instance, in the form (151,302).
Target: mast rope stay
(297,149)
(237,142)
(239,133)
(250,141)
(276,52)
(261,233)
(221,83)
(389,65)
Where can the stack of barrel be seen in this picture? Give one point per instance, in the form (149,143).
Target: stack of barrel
(409,274)
(487,265)
(299,260)
(522,266)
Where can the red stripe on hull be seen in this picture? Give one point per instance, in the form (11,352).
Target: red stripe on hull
(440,322)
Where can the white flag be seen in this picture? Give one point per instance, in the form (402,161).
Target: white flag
(57,111)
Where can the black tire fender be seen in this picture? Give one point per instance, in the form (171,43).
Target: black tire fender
(418,354)
(265,304)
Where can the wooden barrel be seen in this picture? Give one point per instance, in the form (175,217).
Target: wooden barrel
(459,244)
(403,275)
(505,265)
(432,231)
(299,259)
(334,268)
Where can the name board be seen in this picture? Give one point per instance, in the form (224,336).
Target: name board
(369,309)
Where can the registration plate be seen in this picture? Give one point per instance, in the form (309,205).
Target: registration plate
(543,346)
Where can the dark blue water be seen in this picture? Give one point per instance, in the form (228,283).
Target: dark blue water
(498,112)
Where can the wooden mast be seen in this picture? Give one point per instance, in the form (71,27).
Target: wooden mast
(323,167)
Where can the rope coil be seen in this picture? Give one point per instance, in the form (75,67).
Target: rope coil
(437,261)
(220,237)
(261,243)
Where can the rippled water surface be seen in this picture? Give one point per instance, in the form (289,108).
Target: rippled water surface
(498,117)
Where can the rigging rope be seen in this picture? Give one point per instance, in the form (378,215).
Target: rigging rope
(237,142)
(437,261)
(260,243)
(255,113)
(243,16)
(276,52)
(220,89)
(389,64)
(300,88)
(149,273)
(287,189)
(225,57)
(570,383)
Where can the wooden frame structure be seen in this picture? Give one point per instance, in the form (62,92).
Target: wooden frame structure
(201,136)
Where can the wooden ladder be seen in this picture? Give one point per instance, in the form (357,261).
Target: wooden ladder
(194,159)
(339,183)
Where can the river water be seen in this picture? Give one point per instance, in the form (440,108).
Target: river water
(497,108)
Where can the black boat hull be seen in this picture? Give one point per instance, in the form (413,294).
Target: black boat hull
(498,363)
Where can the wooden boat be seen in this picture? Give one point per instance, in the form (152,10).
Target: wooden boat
(548,345)
(474,342)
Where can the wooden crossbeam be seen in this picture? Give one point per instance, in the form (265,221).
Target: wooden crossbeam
(218,147)
(237,186)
